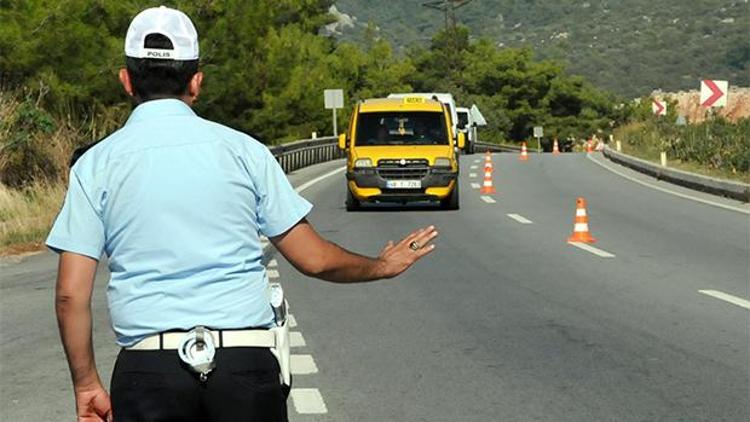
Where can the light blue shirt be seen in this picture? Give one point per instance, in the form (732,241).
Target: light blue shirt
(178,204)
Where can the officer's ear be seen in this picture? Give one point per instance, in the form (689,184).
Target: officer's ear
(126,82)
(194,86)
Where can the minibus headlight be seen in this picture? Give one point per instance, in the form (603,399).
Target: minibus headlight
(443,162)
(363,163)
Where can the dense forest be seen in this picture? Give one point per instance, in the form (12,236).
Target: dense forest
(628,47)
(267,63)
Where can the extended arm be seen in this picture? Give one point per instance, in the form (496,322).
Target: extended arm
(75,283)
(316,257)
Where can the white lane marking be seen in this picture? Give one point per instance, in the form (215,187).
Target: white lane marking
(488,200)
(726,297)
(273,263)
(308,401)
(474,167)
(521,219)
(291,320)
(302,364)
(588,248)
(296,339)
(272,273)
(475,186)
(681,195)
(477,161)
(472,175)
(306,185)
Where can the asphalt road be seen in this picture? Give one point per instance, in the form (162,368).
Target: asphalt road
(504,322)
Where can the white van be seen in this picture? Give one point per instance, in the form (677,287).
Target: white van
(466,125)
(444,98)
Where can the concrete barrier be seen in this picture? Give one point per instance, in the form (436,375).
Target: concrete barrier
(730,189)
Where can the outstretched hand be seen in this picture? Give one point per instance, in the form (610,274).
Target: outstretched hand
(395,258)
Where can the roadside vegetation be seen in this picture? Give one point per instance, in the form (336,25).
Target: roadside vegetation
(267,64)
(34,156)
(715,147)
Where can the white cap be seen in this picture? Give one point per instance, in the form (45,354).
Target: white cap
(171,23)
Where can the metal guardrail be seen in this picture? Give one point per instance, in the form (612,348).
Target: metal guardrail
(296,155)
(735,190)
(484,147)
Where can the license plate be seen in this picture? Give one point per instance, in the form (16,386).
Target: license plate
(403,184)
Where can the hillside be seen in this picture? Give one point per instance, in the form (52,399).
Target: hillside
(630,47)
(688,105)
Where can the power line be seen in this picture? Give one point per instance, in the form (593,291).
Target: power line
(448,7)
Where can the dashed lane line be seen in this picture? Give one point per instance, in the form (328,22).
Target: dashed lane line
(296,339)
(475,186)
(477,161)
(473,167)
(302,364)
(472,175)
(521,219)
(588,248)
(308,401)
(488,199)
(726,297)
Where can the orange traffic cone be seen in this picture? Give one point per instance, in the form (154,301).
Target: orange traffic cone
(589,146)
(487,187)
(487,161)
(488,165)
(555,147)
(524,153)
(581,229)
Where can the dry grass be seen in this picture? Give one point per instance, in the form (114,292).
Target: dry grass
(27,212)
(26,215)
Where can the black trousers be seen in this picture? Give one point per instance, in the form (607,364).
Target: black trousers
(156,386)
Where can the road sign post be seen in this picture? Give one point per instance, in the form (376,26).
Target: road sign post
(334,100)
(538,134)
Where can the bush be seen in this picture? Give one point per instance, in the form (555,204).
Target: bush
(716,144)
(35,147)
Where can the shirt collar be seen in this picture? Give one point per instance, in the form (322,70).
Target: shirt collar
(155,109)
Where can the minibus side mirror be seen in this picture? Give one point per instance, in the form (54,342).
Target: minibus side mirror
(342,141)
(461,140)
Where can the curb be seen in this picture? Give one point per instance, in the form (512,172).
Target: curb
(730,189)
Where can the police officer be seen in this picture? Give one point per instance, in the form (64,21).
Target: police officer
(178,203)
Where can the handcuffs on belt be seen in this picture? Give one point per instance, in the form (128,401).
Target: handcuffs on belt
(198,351)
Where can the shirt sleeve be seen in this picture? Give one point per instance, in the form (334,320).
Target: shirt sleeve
(280,207)
(78,227)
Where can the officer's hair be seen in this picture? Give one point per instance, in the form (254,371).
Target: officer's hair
(157,78)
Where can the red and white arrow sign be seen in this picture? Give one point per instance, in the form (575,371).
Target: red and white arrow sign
(659,107)
(714,93)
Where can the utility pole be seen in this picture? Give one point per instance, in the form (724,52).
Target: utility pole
(448,7)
